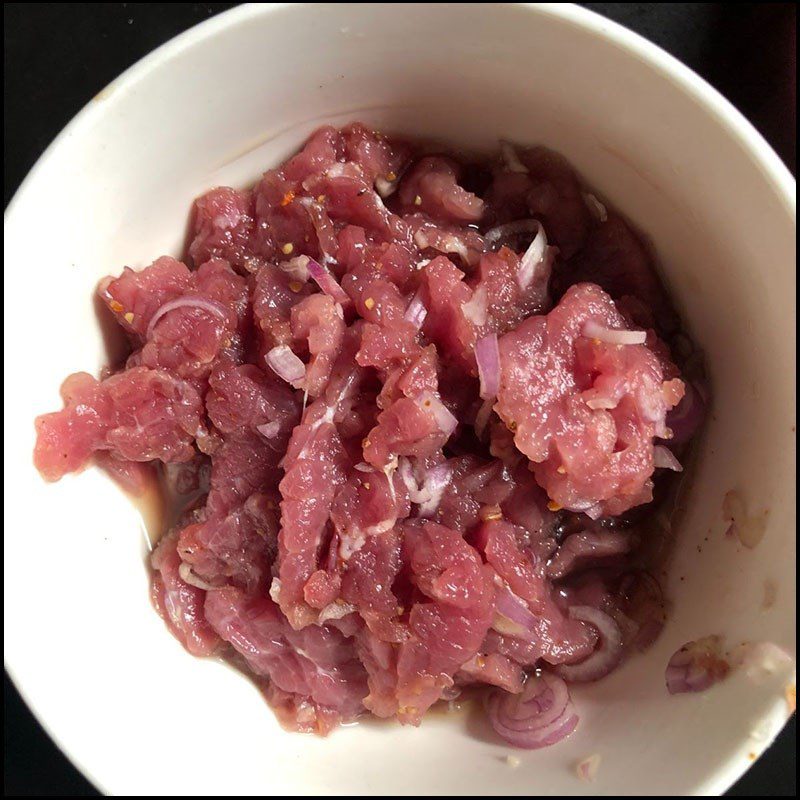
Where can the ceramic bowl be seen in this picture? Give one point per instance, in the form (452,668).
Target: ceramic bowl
(239,93)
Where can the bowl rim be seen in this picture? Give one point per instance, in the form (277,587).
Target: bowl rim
(648,54)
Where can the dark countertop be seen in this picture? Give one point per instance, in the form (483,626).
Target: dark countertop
(59,55)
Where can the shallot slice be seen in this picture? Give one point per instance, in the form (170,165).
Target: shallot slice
(664,459)
(296,268)
(269,430)
(512,615)
(696,666)
(605,658)
(444,419)
(211,306)
(416,311)
(534,264)
(540,716)
(433,486)
(510,158)
(487,354)
(594,330)
(285,364)
(326,282)
(475,309)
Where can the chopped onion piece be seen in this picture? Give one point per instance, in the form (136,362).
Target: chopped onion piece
(475,309)
(326,282)
(211,306)
(269,430)
(511,614)
(598,210)
(696,666)
(540,716)
(663,458)
(188,575)
(433,486)
(275,589)
(510,157)
(416,494)
(446,421)
(487,354)
(285,364)
(588,767)
(534,261)
(483,416)
(445,242)
(593,330)
(607,655)
(335,610)
(296,268)
(388,471)
(384,187)
(509,229)
(416,311)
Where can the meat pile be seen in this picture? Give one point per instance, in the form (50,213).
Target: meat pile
(415,398)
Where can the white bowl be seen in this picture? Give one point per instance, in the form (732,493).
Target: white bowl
(238,93)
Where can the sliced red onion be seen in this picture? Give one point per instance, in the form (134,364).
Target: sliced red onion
(475,309)
(416,311)
(594,330)
(534,262)
(326,282)
(211,306)
(326,237)
(663,458)
(363,467)
(696,666)
(540,716)
(605,658)
(285,364)
(296,268)
(686,418)
(444,419)
(433,486)
(598,210)
(487,354)
(513,608)
(509,229)
(269,430)
(510,157)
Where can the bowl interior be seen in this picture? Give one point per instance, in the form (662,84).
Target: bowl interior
(238,94)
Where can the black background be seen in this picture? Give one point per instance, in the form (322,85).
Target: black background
(58,56)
